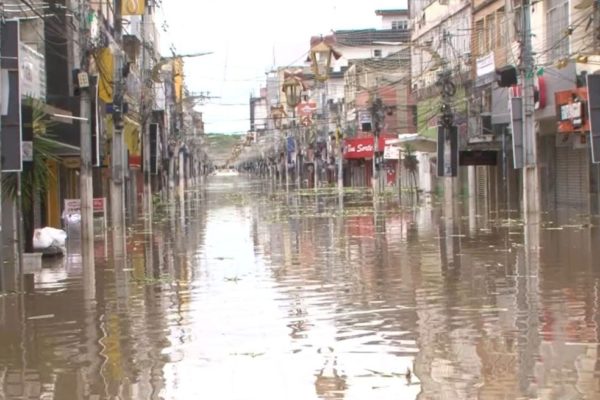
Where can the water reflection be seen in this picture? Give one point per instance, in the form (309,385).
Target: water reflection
(244,292)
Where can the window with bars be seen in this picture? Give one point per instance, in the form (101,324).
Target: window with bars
(557,23)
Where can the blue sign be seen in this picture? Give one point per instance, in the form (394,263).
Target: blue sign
(291,144)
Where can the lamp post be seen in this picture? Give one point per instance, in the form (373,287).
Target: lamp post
(293,87)
(321,53)
(320,56)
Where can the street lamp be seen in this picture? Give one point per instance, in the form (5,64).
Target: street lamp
(320,56)
(292,87)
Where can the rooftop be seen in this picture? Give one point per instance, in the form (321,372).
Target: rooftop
(367,37)
(391,12)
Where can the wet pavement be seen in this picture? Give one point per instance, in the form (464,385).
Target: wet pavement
(254,294)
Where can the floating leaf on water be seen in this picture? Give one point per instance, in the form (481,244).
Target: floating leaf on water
(45,316)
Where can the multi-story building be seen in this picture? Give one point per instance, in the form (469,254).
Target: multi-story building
(563,52)
(489,119)
(565,40)
(83,36)
(440,42)
(375,64)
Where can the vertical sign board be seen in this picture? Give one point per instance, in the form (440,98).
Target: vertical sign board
(516,126)
(593,86)
(11,156)
(154,149)
(447,151)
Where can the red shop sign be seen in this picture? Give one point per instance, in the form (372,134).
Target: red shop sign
(362,147)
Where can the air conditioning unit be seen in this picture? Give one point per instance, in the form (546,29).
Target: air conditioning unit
(443,2)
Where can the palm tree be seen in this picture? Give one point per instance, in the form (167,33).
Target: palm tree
(36,176)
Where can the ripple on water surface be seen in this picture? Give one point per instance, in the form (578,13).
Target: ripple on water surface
(252,293)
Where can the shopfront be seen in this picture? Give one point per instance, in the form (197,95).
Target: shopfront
(358,152)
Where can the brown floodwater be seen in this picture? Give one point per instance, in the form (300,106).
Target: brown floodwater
(250,293)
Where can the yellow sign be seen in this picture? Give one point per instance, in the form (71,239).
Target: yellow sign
(133,7)
(178,79)
(105,65)
(71,162)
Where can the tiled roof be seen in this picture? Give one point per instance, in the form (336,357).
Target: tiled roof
(365,37)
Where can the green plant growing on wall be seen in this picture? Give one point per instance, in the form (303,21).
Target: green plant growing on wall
(37,174)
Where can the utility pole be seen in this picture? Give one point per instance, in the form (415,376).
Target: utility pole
(85,137)
(146,111)
(377,119)
(117,199)
(340,153)
(298,157)
(85,174)
(531,202)
(1,231)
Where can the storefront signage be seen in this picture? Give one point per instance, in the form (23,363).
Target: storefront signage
(362,147)
(73,206)
(72,212)
(33,73)
(486,65)
(306,108)
(593,90)
(570,110)
(391,152)
(11,156)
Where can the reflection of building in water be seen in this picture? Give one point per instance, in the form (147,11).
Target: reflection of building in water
(568,361)
(330,383)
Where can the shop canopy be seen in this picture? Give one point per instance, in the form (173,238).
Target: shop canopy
(415,141)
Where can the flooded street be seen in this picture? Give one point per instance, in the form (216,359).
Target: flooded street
(255,294)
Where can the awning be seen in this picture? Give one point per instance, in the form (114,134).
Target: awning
(415,141)
(60,149)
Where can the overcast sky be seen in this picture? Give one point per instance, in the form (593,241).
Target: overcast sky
(248,39)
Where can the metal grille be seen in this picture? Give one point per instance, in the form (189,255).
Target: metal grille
(572,189)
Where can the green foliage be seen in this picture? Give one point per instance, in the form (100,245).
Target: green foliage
(36,176)
(159,206)
(219,146)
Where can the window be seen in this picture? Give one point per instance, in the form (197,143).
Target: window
(400,25)
(480,45)
(557,22)
(377,53)
(502,29)
(490,23)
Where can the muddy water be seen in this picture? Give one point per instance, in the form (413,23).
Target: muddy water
(251,294)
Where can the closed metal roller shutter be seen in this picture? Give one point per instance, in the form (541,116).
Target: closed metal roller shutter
(572,170)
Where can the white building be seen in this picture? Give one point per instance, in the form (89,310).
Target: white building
(441,33)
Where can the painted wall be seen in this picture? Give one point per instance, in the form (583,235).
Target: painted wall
(361,52)
(386,21)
